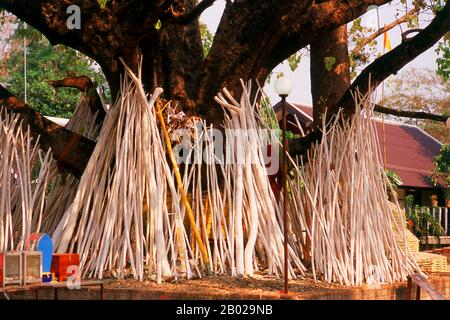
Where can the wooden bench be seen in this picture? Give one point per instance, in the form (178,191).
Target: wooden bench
(422,284)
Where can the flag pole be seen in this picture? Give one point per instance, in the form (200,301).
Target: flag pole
(382,97)
(25,62)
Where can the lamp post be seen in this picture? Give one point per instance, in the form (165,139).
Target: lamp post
(283,87)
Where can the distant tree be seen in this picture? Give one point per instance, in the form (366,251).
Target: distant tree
(421,90)
(8,23)
(443,61)
(207,38)
(45,63)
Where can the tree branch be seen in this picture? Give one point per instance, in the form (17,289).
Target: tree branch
(193,14)
(71,150)
(49,17)
(391,62)
(81,83)
(411,114)
(254,47)
(386,28)
(87,86)
(319,19)
(301,146)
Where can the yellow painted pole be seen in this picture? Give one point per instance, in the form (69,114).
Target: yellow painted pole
(184,198)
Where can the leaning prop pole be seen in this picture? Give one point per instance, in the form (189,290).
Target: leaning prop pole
(176,170)
(184,198)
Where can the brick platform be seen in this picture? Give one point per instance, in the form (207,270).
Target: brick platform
(384,292)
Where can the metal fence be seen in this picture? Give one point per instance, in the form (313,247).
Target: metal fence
(439,213)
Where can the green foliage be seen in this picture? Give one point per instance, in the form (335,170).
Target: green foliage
(394,179)
(409,201)
(270,119)
(443,50)
(437,5)
(422,223)
(207,38)
(442,160)
(102,3)
(294,60)
(158,24)
(413,21)
(441,173)
(443,60)
(28,33)
(46,63)
(268,114)
(357,35)
(329,63)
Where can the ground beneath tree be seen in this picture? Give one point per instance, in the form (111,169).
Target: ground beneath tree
(225,285)
(262,286)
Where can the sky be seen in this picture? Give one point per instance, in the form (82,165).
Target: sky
(301,77)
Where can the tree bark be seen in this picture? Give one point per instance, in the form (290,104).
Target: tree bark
(330,73)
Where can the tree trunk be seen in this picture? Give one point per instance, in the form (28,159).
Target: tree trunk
(172,58)
(253,37)
(330,72)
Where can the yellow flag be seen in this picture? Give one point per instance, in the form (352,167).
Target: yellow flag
(387,42)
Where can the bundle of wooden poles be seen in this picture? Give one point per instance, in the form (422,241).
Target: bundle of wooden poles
(33,194)
(24,177)
(342,195)
(110,228)
(63,186)
(138,209)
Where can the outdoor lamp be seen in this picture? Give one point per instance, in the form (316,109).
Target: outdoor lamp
(283,86)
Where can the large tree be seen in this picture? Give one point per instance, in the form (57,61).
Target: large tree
(253,37)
